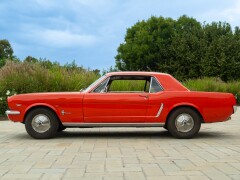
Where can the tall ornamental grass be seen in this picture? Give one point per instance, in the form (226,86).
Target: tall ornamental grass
(27,77)
(214,85)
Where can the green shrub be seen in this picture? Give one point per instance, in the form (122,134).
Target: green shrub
(3,100)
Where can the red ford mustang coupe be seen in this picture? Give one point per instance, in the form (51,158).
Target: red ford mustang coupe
(122,99)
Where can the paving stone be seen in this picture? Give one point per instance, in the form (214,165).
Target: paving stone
(95,168)
(198,177)
(134,175)
(235,177)
(55,176)
(152,171)
(74,173)
(213,173)
(22,176)
(20,169)
(167,178)
(48,171)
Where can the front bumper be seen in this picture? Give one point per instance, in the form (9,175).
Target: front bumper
(234,109)
(12,112)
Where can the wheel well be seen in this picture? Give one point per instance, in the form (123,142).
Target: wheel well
(184,106)
(36,107)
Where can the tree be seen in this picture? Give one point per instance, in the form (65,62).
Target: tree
(31,59)
(6,51)
(184,48)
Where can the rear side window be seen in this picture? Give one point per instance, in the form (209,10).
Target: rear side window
(155,87)
(128,86)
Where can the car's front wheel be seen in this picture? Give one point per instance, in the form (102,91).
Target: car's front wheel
(61,128)
(41,123)
(184,123)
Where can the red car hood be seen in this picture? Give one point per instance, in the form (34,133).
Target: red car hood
(45,97)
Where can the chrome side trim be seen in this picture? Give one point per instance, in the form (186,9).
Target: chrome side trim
(160,110)
(113,124)
(234,109)
(11,112)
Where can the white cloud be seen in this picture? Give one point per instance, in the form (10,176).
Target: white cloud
(46,3)
(61,39)
(92,3)
(233,14)
(57,38)
(229,14)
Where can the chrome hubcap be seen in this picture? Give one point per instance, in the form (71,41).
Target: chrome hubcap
(184,123)
(41,123)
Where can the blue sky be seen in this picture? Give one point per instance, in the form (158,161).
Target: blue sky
(89,31)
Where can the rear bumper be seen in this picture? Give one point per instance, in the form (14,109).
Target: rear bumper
(234,109)
(12,113)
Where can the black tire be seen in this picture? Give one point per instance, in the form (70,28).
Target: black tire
(187,112)
(165,127)
(61,128)
(53,123)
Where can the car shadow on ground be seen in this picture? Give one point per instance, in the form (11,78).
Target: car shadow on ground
(161,134)
(113,134)
(108,134)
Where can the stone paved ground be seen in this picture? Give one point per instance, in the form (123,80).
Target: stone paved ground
(122,153)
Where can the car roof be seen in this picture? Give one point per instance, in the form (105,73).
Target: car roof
(136,73)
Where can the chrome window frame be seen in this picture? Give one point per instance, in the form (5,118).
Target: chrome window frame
(129,91)
(107,79)
(95,84)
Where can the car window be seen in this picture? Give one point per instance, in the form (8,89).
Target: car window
(102,87)
(155,87)
(128,85)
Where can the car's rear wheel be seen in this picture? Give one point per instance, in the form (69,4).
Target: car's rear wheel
(184,123)
(41,123)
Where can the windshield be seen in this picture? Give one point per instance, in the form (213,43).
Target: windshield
(93,84)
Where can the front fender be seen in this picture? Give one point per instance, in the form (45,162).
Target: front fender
(40,105)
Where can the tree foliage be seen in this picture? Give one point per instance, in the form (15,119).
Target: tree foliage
(184,48)
(6,52)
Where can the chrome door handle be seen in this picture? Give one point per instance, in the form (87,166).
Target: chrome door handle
(144,95)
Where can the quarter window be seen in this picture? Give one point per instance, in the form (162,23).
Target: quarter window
(155,87)
(102,87)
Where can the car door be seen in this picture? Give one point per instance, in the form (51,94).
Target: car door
(105,106)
